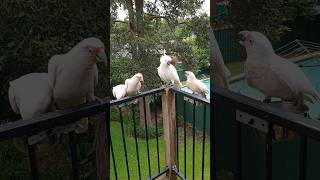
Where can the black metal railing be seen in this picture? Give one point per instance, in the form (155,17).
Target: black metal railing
(161,168)
(44,123)
(130,102)
(193,100)
(237,153)
(188,103)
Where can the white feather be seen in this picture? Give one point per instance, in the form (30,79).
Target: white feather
(119,91)
(74,75)
(30,95)
(272,75)
(167,72)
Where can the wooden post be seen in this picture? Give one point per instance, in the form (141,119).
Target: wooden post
(169,130)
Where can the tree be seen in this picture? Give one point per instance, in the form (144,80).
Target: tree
(152,26)
(269,17)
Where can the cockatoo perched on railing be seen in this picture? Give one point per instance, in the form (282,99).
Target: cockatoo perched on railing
(30,95)
(195,84)
(220,71)
(273,75)
(74,75)
(131,87)
(167,72)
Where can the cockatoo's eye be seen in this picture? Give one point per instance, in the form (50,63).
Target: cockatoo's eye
(90,50)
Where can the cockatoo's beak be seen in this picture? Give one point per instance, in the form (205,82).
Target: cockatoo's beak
(102,57)
(141,79)
(169,62)
(243,36)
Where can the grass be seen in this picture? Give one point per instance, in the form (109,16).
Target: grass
(118,147)
(235,68)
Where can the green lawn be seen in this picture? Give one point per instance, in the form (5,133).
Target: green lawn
(235,68)
(132,158)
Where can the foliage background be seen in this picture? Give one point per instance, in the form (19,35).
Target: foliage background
(136,42)
(33,31)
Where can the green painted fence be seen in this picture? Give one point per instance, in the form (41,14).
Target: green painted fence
(229,45)
(285,154)
(199,113)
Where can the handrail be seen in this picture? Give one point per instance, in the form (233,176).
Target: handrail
(269,113)
(51,120)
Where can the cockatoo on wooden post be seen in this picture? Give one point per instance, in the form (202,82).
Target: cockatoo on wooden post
(167,72)
(74,75)
(220,71)
(273,75)
(30,95)
(195,84)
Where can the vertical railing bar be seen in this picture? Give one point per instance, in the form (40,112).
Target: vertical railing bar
(203,138)
(33,161)
(124,142)
(177,128)
(213,138)
(268,154)
(107,141)
(239,150)
(147,136)
(135,137)
(113,160)
(157,133)
(73,151)
(185,138)
(193,135)
(303,157)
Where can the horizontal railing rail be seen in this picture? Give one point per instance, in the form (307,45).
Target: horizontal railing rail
(37,128)
(51,120)
(271,114)
(262,117)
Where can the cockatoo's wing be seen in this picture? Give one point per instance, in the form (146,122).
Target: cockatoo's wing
(53,68)
(174,74)
(119,91)
(201,86)
(293,77)
(30,95)
(12,98)
(175,77)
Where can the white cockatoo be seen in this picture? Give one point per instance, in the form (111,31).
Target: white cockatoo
(74,75)
(220,71)
(134,84)
(30,95)
(119,91)
(195,84)
(131,87)
(167,72)
(273,75)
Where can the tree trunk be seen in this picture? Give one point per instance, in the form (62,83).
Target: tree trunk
(143,115)
(139,16)
(129,7)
